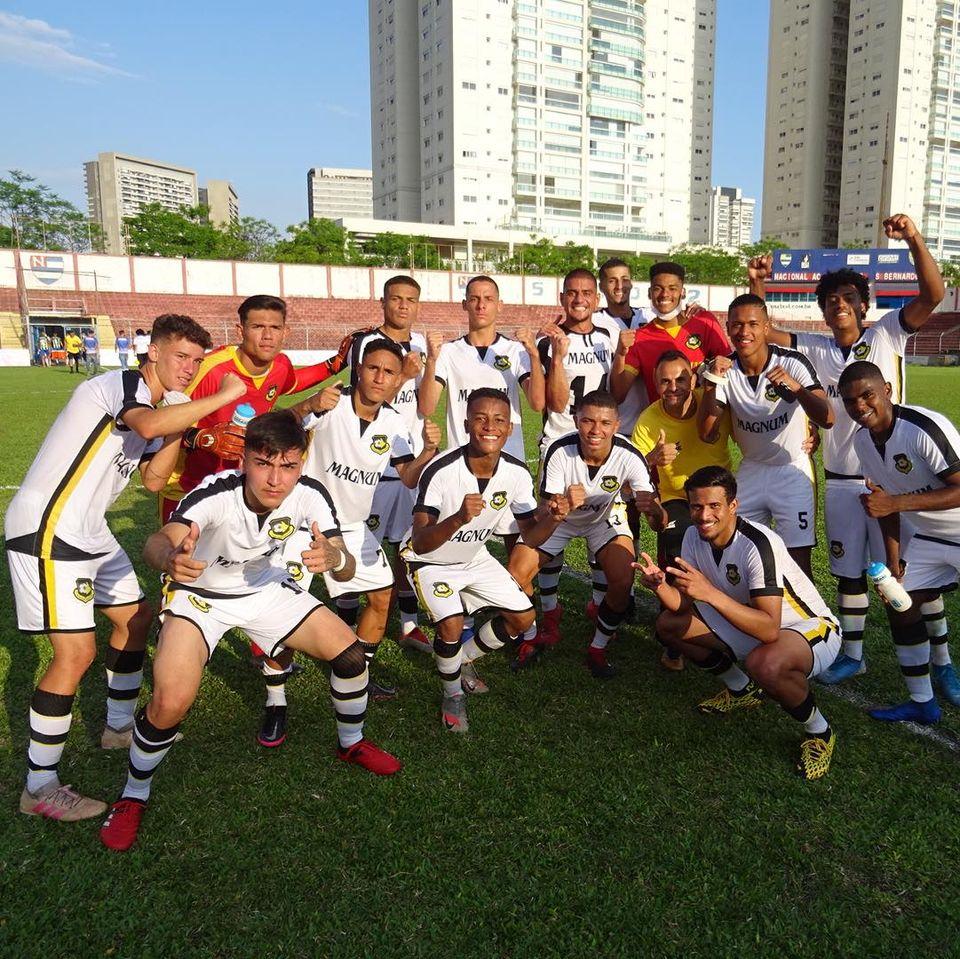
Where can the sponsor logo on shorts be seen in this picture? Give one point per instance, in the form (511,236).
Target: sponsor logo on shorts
(281,528)
(379,444)
(501,362)
(733,574)
(902,463)
(836,548)
(609,484)
(694,342)
(373,522)
(499,499)
(199,603)
(861,351)
(295,570)
(442,590)
(84,590)
(272,394)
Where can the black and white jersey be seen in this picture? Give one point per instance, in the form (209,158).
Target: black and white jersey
(768,422)
(445,482)
(85,462)
(883,344)
(349,455)
(462,368)
(636,401)
(615,324)
(922,451)
(587,365)
(564,466)
(244,550)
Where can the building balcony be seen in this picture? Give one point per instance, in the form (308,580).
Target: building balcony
(616,93)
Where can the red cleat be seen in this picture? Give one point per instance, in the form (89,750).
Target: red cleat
(119,830)
(598,664)
(528,652)
(371,757)
(549,632)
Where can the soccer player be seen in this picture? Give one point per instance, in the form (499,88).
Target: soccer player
(122,346)
(737,594)
(667,435)
(222,550)
(64,561)
(910,460)
(854,539)
(91,352)
(460,502)
(591,465)
(770,392)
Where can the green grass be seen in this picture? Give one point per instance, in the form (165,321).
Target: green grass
(576,819)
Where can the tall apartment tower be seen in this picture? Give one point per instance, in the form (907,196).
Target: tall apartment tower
(336,192)
(223,202)
(119,185)
(731,217)
(554,116)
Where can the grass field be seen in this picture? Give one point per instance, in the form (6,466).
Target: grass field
(577,818)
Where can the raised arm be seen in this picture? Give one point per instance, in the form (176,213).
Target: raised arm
(535,385)
(930,282)
(430,387)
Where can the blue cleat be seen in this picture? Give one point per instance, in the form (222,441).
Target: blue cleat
(844,667)
(926,714)
(946,680)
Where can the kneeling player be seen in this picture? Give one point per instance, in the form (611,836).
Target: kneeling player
(591,465)
(221,550)
(462,498)
(737,594)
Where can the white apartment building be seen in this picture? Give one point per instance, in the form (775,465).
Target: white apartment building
(336,192)
(119,185)
(222,199)
(731,217)
(561,117)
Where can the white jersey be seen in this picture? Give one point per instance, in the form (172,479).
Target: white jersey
(636,401)
(85,462)
(349,455)
(443,485)
(462,367)
(587,365)
(244,550)
(564,466)
(767,422)
(922,451)
(883,344)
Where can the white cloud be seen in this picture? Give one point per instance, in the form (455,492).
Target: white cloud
(339,110)
(36,43)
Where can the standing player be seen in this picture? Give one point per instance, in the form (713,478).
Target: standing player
(65,562)
(220,550)
(770,391)
(854,539)
(462,497)
(738,595)
(591,465)
(910,460)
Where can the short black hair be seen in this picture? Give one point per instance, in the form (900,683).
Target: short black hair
(383,343)
(708,476)
(486,393)
(573,274)
(141,332)
(601,398)
(746,299)
(262,301)
(861,370)
(614,261)
(400,280)
(275,432)
(668,356)
(171,326)
(482,278)
(832,281)
(670,268)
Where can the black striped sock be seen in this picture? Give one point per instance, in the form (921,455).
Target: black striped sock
(50,718)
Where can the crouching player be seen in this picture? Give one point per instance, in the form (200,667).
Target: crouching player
(462,498)
(737,594)
(222,550)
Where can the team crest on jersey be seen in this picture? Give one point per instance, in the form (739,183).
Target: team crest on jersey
(902,463)
(771,393)
(501,362)
(272,393)
(379,443)
(609,484)
(733,574)
(84,590)
(836,548)
(199,603)
(498,500)
(373,522)
(295,570)
(694,342)
(861,351)
(442,590)
(281,528)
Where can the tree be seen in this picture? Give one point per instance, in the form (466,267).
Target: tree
(258,237)
(401,251)
(709,264)
(545,258)
(762,247)
(157,231)
(316,241)
(950,270)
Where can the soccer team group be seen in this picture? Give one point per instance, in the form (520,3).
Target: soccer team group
(350,484)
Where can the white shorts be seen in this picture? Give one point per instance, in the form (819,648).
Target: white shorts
(59,596)
(854,538)
(932,564)
(784,494)
(268,617)
(391,513)
(596,535)
(465,588)
(373,568)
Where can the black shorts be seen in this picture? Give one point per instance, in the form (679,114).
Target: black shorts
(670,540)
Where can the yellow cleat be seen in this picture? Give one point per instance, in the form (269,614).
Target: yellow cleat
(726,702)
(815,756)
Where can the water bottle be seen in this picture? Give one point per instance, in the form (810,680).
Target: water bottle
(888,587)
(243,414)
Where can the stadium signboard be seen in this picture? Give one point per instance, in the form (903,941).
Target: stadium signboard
(878,265)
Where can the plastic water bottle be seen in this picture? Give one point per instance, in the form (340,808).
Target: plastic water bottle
(243,414)
(888,587)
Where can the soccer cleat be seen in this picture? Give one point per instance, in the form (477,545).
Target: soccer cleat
(273,728)
(61,802)
(926,714)
(120,828)
(815,756)
(549,632)
(370,757)
(843,667)
(598,665)
(416,639)
(380,693)
(592,610)
(528,652)
(946,680)
(726,702)
(116,738)
(671,661)
(453,714)
(470,680)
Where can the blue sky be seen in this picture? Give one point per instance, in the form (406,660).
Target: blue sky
(258,99)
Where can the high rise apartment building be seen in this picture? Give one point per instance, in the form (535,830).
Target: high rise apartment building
(222,200)
(731,217)
(336,192)
(554,116)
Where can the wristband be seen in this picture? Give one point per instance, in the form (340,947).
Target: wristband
(190,437)
(342,564)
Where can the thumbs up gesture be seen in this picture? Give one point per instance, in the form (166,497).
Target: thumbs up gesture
(323,555)
(664,453)
(181,565)
(877,502)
